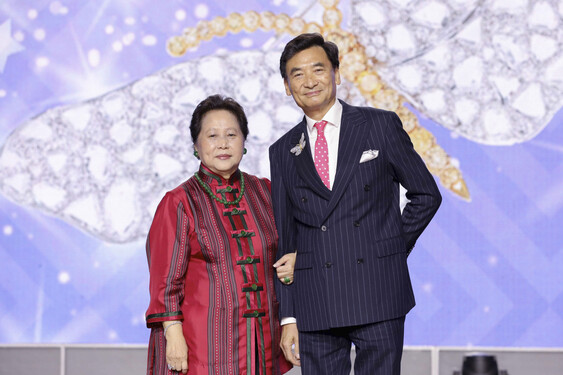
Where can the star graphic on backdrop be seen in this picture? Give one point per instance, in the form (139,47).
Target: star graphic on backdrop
(8,45)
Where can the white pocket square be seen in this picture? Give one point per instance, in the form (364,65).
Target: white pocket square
(369,155)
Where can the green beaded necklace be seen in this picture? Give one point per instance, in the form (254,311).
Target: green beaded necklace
(222,200)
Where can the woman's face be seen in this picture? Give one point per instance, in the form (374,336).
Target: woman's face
(220,142)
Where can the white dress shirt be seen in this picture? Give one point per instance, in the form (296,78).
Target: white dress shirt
(332,134)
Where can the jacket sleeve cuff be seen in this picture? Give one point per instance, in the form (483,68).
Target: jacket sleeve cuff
(156,319)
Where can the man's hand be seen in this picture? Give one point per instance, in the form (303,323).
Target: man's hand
(290,343)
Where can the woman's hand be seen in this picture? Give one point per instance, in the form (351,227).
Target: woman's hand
(284,268)
(176,348)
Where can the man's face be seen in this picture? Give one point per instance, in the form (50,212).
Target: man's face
(312,81)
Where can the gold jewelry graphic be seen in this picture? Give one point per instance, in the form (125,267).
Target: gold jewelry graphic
(356,67)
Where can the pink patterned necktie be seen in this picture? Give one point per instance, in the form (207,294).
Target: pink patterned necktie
(321,153)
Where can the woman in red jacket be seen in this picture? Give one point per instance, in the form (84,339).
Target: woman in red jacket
(211,251)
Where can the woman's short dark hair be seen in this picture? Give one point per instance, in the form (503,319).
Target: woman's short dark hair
(217,102)
(303,42)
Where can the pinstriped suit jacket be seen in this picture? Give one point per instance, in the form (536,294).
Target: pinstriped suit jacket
(352,242)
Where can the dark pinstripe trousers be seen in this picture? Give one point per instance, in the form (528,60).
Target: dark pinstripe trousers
(379,347)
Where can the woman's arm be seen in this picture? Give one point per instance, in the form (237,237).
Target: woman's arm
(168,256)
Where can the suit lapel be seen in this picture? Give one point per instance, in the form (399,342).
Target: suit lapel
(353,134)
(305,164)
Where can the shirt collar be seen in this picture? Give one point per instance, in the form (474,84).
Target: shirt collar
(214,179)
(333,116)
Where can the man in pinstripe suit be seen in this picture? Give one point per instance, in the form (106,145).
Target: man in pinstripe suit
(351,282)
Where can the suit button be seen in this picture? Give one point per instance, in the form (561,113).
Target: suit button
(328,264)
(367,187)
(360,260)
(323,228)
(303,199)
(356,223)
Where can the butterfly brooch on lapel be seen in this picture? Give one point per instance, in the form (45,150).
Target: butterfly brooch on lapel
(299,147)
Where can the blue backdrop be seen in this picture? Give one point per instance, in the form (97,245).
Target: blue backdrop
(86,127)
